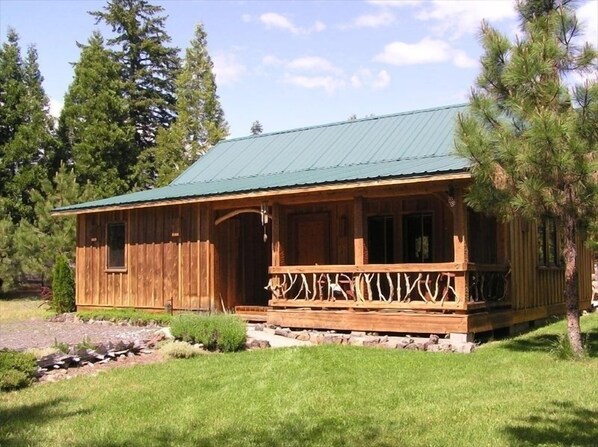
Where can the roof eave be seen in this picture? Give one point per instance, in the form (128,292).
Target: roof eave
(462,174)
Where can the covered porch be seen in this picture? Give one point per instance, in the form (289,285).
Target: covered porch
(387,259)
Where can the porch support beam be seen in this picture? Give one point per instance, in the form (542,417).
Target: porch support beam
(358,231)
(460,237)
(276,243)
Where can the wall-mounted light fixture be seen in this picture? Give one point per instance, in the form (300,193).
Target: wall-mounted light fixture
(451,196)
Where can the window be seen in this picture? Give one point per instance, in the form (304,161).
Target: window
(116,245)
(548,246)
(417,237)
(380,240)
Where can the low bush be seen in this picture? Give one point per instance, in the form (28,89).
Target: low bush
(220,332)
(17,369)
(135,317)
(180,349)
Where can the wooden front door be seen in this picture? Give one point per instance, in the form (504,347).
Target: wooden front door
(310,238)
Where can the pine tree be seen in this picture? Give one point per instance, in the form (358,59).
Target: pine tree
(93,126)
(63,286)
(256,128)
(27,144)
(10,266)
(148,68)
(200,120)
(37,245)
(531,140)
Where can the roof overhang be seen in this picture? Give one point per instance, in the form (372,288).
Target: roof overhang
(459,176)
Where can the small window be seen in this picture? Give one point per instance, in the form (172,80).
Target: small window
(548,246)
(116,245)
(380,240)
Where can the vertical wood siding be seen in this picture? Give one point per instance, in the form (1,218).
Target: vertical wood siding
(167,258)
(533,286)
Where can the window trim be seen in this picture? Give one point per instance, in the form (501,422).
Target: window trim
(124,267)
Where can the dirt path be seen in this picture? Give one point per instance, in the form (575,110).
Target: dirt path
(42,334)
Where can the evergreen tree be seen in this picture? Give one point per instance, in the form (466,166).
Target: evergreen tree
(148,68)
(93,126)
(256,128)
(27,145)
(63,286)
(10,266)
(200,120)
(531,140)
(37,245)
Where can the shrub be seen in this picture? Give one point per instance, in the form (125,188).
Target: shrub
(133,316)
(17,369)
(180,349)
(63,287)
(221,332)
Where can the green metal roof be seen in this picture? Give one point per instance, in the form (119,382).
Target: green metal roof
(392,146)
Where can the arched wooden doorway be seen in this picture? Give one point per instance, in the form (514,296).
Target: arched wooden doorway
(242,260)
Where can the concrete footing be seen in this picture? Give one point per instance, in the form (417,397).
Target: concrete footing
(461,337)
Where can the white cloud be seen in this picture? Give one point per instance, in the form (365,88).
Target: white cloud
(457,17)
(380,19)
(246,18)
(55,107)
(278,21)
(328,83)
(364,78)
(382,80)
(313,63)
(588,15)
(426,51)
(227,68)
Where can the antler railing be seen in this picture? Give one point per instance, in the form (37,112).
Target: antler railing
(412,286)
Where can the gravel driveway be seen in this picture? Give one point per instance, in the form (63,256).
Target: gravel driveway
(43,334)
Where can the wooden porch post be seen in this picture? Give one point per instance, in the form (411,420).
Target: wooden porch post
(206,255)
(277,255)
(358,236)
(460,237)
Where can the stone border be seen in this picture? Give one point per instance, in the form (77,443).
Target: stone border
(431,344)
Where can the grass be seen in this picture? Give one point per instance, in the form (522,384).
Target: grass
(512,392)
(19,309)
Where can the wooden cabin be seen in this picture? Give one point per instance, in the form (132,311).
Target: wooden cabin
(359,225)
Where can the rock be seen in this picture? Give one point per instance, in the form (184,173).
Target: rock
(328,339)
(466,348)
(303,336)
(259,327)
(282,332)
(357,334)
(355,341)
(165,331)
(257,344)
(316,338)
(390,344)
(375,341)
(434,338)
(413,346)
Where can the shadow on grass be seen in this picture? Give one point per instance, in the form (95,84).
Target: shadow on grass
(550,342)
(562,423)
(296,432)
(17,423)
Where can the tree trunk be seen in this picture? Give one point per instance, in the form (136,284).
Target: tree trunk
(571,286)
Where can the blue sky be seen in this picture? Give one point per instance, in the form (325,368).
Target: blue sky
(293,64)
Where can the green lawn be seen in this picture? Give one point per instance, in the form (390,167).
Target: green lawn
(18,309)
(512,392)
